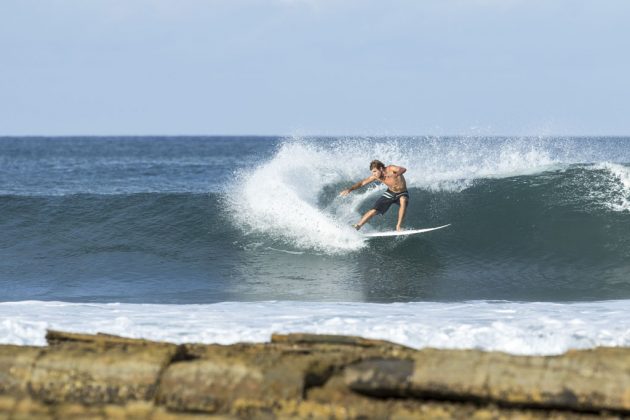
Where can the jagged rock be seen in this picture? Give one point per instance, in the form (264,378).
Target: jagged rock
(588,380)
(101,370)
(300,338)
(303,376)
(220,378)
(381,378)
(29,409)
(16,363)
(54,338)
(7,403)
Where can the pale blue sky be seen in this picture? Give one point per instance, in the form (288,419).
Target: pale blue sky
(476,67)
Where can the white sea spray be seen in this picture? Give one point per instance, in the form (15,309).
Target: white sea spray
(279,197)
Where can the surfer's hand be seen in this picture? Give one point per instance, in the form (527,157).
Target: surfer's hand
(344,192)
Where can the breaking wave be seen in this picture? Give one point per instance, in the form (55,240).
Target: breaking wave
(292,197)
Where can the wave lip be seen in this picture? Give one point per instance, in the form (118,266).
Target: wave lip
(619,194)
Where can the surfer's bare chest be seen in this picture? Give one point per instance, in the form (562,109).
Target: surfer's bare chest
(394,182)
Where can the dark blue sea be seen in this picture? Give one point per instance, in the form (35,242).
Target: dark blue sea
(232,238)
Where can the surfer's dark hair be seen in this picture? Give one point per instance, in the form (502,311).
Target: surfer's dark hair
(376,164)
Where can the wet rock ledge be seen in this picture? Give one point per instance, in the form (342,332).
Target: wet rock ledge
(303,376)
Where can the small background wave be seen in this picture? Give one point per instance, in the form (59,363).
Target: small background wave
(125,165)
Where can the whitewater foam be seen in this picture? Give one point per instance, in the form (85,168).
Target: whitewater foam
(518,328)
(281,197)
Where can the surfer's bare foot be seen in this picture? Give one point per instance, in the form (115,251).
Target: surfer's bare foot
(356,226)
(398,228)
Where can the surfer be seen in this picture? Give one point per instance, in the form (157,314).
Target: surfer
(392,176)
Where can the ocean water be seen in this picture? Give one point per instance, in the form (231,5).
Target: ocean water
(227,239)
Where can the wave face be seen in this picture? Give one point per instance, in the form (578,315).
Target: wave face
(185,221)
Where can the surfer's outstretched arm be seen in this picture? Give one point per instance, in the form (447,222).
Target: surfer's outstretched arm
(358,185)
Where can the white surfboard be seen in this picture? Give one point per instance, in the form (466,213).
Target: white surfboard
(402,232)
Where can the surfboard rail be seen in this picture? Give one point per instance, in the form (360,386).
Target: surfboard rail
(402,232)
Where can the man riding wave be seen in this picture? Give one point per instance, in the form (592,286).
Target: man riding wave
(396,193)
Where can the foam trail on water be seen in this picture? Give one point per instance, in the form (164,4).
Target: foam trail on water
(518,328)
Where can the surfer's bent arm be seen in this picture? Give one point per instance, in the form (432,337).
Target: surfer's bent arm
(358,185)
(396,170)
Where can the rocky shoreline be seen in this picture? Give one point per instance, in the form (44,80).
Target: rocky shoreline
(80,376)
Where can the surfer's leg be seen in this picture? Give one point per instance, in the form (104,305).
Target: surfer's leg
(367,216)
(380,207)
(401,212)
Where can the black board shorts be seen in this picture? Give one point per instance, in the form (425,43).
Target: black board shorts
(387,199)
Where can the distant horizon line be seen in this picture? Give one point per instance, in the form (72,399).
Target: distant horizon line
(53,136)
